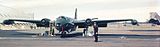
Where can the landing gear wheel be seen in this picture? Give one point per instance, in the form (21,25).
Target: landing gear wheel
(63,34)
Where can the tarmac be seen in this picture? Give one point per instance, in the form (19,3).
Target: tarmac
(112,36)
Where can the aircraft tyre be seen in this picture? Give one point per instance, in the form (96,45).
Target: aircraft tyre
(63,34)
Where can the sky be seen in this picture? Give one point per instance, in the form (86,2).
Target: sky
(101,9)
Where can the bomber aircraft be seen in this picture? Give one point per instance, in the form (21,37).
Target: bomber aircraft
(66,24)
(155,18)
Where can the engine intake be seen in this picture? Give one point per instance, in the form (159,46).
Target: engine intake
(8,22)
(134,22)
(45,21)
(89,22)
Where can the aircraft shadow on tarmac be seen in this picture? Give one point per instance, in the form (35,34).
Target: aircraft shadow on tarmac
(77,34)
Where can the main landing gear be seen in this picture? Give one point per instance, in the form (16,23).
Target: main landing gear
(95,27)
(86,32)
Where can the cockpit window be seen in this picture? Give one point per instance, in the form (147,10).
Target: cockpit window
(62,17)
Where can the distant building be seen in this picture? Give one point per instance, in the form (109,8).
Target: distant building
(11,13)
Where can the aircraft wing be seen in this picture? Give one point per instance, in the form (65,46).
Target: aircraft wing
(101,23)
(109,21)
(30,21)
(40,23)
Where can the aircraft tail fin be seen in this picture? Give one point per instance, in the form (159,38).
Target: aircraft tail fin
(154,15)
(154,18)
(75,14)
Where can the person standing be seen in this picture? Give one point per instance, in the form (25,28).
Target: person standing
(95,26)
(51,30)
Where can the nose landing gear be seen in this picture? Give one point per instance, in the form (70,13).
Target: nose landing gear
(63,33)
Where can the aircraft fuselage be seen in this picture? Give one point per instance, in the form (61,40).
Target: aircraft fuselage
(63,23)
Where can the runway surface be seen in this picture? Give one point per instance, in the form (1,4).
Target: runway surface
(119,37)
(77,42)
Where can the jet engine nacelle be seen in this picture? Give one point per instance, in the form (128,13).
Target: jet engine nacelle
(45,21)
(89,22)
(153,21)
(8,22)
(134,22)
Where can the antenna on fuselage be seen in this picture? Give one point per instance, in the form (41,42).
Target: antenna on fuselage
(75,14)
